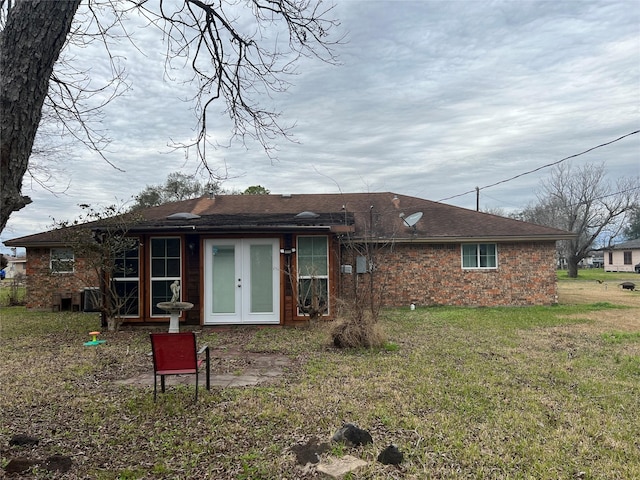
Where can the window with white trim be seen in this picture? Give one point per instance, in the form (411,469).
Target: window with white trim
(628,258)
(125,275)
(165,269)
(313,273)
(62,260)
(479,255)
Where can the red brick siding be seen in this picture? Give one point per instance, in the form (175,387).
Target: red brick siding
(421,273)
(433,275)
(42,283)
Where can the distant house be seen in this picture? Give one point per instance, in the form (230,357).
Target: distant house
(594,259)
(16,267)
(254,259)
(622,257)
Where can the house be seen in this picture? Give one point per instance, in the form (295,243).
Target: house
(622,257)
(594,259)
(264,259)
(16,267)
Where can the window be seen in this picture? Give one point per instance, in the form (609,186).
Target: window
(479,255)
(628,258)
(165,269)
(126,279)
(313,273)
(62,260)
(610,258)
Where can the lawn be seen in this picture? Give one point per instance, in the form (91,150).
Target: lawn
(11,292)
(598,274)
(518,393)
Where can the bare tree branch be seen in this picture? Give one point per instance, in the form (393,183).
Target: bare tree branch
(230,62)
(582,201)
(239,54)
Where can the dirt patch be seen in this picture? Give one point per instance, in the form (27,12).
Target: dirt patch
(628,319)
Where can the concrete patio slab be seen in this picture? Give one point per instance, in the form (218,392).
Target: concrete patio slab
(257,368)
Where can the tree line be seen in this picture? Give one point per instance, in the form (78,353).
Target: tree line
(179,186)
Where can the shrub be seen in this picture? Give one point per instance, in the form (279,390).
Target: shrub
(357,331)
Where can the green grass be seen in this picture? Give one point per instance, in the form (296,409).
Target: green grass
(598,274)
(518,393)
(8,290)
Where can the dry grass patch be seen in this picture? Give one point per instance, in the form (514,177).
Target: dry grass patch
(604,289)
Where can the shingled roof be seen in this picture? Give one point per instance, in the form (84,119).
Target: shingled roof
(368,216)
(628,245)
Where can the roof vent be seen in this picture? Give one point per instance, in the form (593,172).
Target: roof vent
(307,214)
(183,216)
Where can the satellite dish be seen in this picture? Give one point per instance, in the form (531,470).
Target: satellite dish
(412,219)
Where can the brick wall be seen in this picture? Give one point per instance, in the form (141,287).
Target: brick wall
(42,283)
(430,274)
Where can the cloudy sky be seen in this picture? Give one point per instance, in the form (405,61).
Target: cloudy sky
(431,99)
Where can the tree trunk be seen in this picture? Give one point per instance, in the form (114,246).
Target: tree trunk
(572,266)
(33,36)
(113,324)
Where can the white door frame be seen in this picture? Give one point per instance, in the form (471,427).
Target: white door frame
(240,308)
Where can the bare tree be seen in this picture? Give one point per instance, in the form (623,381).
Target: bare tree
(72,107)
(367,286)
(30,43)
(99,239)
(360,310)
(238,55)
(582,201)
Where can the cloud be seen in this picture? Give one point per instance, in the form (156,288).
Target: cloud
(430,99)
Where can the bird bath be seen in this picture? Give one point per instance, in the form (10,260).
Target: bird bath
(174,309)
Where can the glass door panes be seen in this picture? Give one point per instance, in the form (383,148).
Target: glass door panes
(224,279)
(261,278)
(242,281)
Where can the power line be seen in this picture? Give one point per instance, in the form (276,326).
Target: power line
(601,197)
(477,189)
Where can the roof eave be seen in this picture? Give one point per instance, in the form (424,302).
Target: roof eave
(227,228)
(45,243)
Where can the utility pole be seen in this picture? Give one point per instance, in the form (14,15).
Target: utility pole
(477,199)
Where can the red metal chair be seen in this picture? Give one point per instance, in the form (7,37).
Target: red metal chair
(175,354)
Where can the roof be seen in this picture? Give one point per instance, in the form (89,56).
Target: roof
(16,259)
(630,245)
(366,216)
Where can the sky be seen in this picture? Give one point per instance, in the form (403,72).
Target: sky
(430,99)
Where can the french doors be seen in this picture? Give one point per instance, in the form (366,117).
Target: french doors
(242,281)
